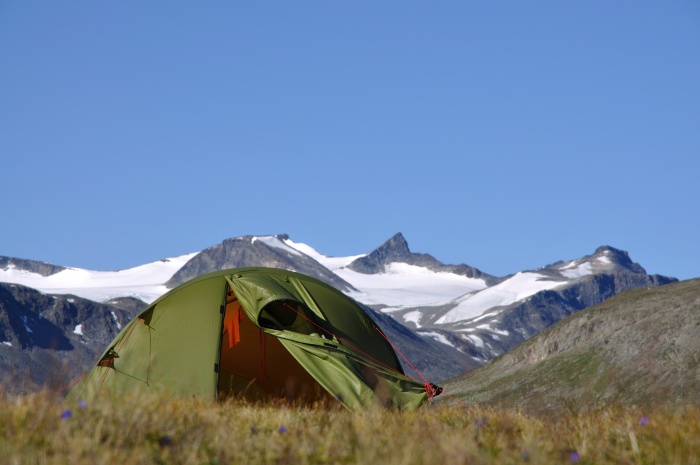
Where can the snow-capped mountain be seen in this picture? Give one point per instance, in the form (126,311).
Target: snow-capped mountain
(489,321)
(267,251)
(145,282)
(456,314)
(397,281)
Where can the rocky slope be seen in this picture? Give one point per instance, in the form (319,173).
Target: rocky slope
(641,346)
(247,251)
(431,359)
(51,339)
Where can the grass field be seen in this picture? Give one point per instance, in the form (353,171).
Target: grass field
(38,428)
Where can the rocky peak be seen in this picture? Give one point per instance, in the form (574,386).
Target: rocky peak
(265,251)
(395,250)
(617,257)
(605,260)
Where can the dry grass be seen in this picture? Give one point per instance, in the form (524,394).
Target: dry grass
(37,428)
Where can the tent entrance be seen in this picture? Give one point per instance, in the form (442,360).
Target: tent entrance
(256,366)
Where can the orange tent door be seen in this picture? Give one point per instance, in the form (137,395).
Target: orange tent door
(256,366)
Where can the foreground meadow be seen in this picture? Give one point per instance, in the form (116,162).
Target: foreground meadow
(38,428)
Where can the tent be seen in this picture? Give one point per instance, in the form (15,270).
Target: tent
(257,333)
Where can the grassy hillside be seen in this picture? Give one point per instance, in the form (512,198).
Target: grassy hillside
(640,347)
(38,429)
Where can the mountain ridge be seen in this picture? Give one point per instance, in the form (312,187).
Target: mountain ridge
(396,250)
(488,322)
(34,266)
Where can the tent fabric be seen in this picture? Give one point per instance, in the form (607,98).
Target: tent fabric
(257,333)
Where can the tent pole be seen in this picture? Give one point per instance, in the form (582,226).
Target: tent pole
(217,367)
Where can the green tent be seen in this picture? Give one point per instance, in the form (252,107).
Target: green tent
(257,333)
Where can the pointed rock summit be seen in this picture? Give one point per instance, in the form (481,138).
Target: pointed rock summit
(395,250)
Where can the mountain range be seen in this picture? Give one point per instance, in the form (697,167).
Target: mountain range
(445,319)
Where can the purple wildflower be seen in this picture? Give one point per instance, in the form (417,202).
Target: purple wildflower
(82,403)
(644,421)
(282,429)
(479,422)
(65,415)
(574,457)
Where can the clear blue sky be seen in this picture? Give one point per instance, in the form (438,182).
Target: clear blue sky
(505,135)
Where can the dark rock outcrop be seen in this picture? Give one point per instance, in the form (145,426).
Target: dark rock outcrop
(33,266)
(51,339)
(396,250)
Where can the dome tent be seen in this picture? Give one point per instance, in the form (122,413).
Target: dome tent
(258,333)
